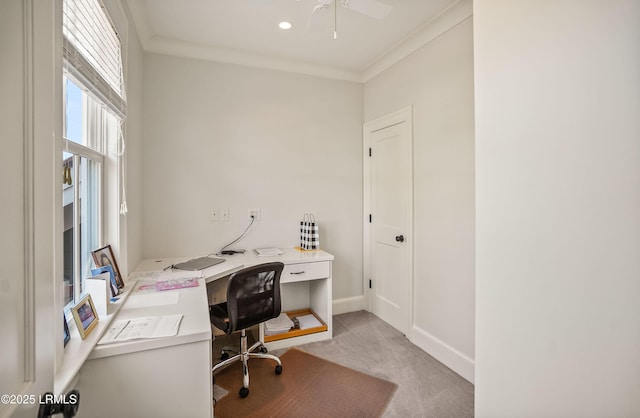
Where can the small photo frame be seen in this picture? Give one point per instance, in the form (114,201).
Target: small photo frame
(85,315)
(113,284)
(104,257)
(67,334)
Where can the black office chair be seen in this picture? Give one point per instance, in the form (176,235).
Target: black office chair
(253,296)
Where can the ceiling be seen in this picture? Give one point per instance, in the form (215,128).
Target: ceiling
(246,32)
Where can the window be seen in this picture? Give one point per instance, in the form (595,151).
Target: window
(89,127)
(94,110)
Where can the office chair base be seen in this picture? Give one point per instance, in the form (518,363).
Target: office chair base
(224,352)
(244,356)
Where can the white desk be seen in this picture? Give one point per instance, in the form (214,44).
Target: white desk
(170,377)
(161,377)
(306,282)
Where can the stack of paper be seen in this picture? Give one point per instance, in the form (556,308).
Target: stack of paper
(147,327)
(309,321)
(278,325)
(268,252)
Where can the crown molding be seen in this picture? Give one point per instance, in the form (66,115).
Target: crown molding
(443,22)
(430,30)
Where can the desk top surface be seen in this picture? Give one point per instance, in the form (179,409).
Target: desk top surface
(236,262)
(190,302)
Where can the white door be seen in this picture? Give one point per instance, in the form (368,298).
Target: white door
(388,201)
(27,342)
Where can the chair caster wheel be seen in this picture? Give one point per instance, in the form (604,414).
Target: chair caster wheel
(278,369)
(263,349)
(244,392)
(224,356)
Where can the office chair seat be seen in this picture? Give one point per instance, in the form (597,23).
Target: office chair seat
(253,297)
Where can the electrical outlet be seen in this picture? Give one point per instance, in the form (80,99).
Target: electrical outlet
(254,214)
(214,215)
(224,214)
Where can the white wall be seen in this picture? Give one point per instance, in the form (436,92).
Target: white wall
(558,208)
(132,243)
(437,80)
(231,137)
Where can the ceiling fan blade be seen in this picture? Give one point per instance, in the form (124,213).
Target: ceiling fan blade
(372,8)
(319,18)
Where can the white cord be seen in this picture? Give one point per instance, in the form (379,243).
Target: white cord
(123,173)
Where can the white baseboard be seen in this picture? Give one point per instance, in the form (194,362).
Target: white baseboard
(347,305)
(444,353)
(441,351)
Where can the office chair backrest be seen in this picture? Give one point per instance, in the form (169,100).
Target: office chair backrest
(253,295)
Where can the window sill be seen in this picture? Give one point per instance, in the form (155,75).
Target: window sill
(78,350)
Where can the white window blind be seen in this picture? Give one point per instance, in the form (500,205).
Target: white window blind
(92,51)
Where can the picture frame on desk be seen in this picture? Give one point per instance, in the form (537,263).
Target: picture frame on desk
(85,315)
(113,283)
(104,257)
(67,334)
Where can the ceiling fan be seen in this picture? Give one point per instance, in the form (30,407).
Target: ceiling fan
(322,11)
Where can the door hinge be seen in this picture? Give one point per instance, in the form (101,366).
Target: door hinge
(370,218)
(369,283)
(369,151)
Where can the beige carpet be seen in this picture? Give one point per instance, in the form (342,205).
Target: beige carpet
(309,386)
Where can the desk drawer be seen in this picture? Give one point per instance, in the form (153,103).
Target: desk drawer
(305,271)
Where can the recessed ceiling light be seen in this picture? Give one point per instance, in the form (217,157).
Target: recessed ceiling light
(285,25)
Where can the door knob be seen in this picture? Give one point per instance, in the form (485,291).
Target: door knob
(400,238)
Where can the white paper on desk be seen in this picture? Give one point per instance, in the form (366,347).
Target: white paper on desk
(268,252)
(145,300)
(278,325)
(308,321)
(144,275)
(140,328)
